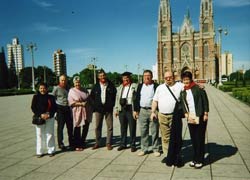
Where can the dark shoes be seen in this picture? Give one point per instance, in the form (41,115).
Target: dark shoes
(96,146)
(109,147)
(62,147)
(121,148)
(39,155)
(52,154)
(133,149)
(164,160)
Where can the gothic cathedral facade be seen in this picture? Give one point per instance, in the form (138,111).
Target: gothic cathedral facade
(187,49)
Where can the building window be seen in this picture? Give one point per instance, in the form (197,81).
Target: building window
(205,51)
(196,50)
(206,6)
(174,52)
(165,53)
(205,27)
(164,31)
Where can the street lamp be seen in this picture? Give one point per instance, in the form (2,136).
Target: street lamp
(138,68)
(31,47)
(220,30)
(93,60)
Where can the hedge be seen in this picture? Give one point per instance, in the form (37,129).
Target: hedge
(11,92)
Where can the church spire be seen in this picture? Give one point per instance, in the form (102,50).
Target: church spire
(206,16)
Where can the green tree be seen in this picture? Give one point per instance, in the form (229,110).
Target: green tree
(45,74)
(12,78)
(3,71)
(26,77)
(247,75)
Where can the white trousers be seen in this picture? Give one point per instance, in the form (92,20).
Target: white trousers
(45,137)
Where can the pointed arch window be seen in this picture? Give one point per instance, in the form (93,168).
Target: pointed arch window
(206,6)
(196,50)
(205,50)
(174,52)
(165,50)
(164,31)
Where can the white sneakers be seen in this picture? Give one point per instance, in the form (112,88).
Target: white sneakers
(195,165)
(157,154)
(141,153)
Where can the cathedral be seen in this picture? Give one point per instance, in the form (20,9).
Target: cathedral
(188,49)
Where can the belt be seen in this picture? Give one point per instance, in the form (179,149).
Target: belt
(147,108)
(166,114)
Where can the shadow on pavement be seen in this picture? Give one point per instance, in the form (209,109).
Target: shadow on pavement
(213,152)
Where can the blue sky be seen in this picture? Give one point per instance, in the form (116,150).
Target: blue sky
(119,33)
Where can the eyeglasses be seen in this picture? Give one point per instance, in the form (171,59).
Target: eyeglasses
(168,77)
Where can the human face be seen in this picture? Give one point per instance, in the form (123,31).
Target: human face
(63,81)
(77,84)
(147,78)
(102,77)
(42,89)
(125,80)
(186,81)
(169,79)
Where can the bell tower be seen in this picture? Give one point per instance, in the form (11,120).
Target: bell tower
(164,38)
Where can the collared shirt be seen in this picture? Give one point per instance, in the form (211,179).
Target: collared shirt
(166,101)
(147,94)
(127,93)
(103,92)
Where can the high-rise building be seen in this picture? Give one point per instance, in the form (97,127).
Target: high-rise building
(187,49)
(59,58)
(226,63)
(15,56)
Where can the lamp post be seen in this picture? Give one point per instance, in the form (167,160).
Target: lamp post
(138,68)
(220,30)
(93,60)
(31,47)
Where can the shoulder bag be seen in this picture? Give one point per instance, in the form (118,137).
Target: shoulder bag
(178,107)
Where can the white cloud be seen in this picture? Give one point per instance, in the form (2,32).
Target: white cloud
(232,3)
(43,4)
(43,27)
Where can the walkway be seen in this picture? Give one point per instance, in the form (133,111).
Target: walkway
(228,148)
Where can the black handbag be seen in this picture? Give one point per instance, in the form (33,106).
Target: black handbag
(178,110)
(37,120)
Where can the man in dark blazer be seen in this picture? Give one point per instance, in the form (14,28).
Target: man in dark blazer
(103,97)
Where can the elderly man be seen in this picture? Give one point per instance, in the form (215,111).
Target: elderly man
(103,98)
(63,113)
(142,111)
(165,100)
(124,109)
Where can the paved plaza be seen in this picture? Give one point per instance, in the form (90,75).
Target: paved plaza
(227,148)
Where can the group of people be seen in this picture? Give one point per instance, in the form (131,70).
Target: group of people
(156,107)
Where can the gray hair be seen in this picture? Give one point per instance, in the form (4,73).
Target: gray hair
(76,78)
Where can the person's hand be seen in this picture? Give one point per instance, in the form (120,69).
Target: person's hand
(153,116)
(135,115)
(116,114)
(205,117)
(45,116)
(83,103)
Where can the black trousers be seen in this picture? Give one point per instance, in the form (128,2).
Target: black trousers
(80,138)
(175,142)
(64,117)
(126,119)
(198,133)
